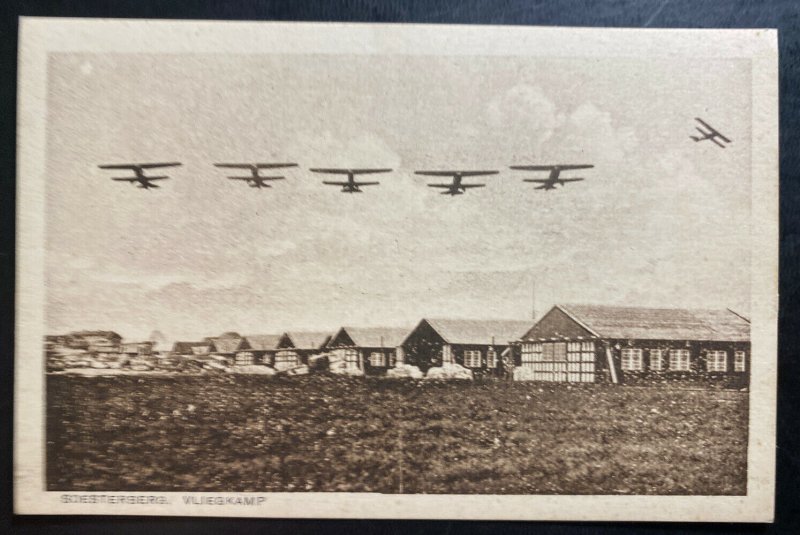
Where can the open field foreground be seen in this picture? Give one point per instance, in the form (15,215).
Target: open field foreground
(323,433)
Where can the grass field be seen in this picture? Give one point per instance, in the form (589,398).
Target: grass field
(322,433)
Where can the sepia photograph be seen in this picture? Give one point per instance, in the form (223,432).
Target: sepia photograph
(402,271)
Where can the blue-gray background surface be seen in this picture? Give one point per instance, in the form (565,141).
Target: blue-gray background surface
(781,14)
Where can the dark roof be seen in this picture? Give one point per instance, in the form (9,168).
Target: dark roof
(308,339)
(104,334)
(660,323)
(263,342)
(186,347)
(375,336)
(479,332)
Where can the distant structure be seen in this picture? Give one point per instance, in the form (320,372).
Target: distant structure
(295,348)
(371,350)
(474,344)
(94,341)
(261,349)
(597,343)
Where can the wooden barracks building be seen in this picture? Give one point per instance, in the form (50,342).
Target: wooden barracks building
(372,350)
(474,344)
(593,343)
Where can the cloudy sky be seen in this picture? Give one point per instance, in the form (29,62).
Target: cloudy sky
(659,221)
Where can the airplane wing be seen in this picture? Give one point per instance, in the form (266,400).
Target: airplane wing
(368,171)
(436,173)
(118,166)
(569,179)
(702,122)
(455,173)
(365,183)
(331,171)
(234,165)
(274,165)
(331,183)
(155,165)
(240,178)
(138,165)
(477,173)
(711,129)
(549,167)
(448,186)
(139,179)
(539,180)
(473,185)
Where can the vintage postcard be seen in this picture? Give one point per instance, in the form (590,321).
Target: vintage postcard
(396,271)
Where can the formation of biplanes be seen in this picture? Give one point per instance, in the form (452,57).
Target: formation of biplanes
(456,186)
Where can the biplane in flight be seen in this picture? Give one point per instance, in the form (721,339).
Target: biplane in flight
(456,187)
(555,174)
(351,185)
(256,179)
(138,169)
(710,133)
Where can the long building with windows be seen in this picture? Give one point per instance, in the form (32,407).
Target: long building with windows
(594,343)
(475,344)
(295,347)
(372,350)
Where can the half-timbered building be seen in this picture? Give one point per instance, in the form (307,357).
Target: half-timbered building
(229,346)
(261,349)
(474,344)
(295,347)
(595,343)
(136,349)
(191,349)
(371,350)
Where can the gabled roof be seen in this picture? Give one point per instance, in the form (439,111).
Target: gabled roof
(308,339)
(225,344)
(479,332)
(263,342)
(186,347)
(374,336)
(660,323)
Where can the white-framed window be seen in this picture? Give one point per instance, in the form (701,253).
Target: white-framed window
(286,359)
(717,361)
(351,359)
(531,353)
(377,358)
(491,358)
(244,359)
(472,358)
(738,361)
(656,360)
(587,351)
(447,354)
(679,360)
(632,359)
